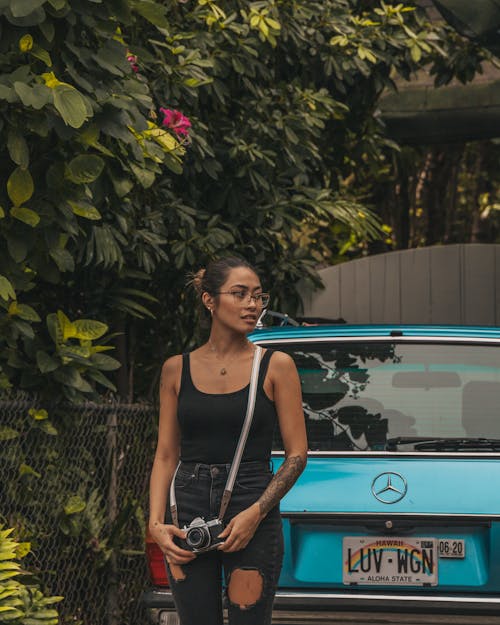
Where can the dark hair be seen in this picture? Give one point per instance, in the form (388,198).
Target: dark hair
(213,277)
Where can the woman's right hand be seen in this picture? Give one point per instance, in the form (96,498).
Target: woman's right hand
(163,535)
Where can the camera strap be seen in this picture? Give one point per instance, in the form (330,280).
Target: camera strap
(235,464)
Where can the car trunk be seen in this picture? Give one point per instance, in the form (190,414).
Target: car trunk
(394,522)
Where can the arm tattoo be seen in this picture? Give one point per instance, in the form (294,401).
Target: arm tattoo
(281,483)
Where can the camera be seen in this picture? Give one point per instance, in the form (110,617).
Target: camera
(202,535)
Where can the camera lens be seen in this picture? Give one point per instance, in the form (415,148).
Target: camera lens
(197,537)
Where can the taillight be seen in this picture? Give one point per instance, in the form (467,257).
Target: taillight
(156,563)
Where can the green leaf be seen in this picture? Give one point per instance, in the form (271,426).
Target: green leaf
(26,215)
(48,29)
(173,163)
(105,363)
(23,549)
(48,428)
(416,53)
(54,328)
(70,105)
(62,259)
(122,186)
(23,328)
(145,176)
(77,353)
(100,378)
(25,469)
(17,247)
(89,329)
(20,186)
(151,11)
(42,54)
(18,149)
(2,212)
(273,23)
(36,97)
(7,93)
(46,363)
(22,8)
(71,377)
(74,505)
(84,209)
(38,414)
(85,168)
(6,289)
(23,311)
(68,328)
(9,575)
(7,433)
(132,307)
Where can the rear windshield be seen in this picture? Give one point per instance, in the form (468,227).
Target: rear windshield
(399,396)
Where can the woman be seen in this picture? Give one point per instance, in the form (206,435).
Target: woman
(203,399)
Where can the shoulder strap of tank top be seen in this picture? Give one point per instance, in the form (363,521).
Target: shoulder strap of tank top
(186,381)
(264,366)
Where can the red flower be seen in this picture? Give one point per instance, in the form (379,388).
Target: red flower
(176,121)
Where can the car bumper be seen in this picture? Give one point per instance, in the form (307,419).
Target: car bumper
(304,608)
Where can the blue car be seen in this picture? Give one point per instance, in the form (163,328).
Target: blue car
(399,506)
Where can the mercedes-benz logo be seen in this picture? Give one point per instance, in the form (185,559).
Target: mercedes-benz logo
(389,487)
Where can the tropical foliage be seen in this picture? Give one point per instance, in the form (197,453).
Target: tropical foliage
(286,146)
(21,603)
(79,145)
(138,139)
(269,106)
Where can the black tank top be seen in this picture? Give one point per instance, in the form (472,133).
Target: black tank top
(211,423)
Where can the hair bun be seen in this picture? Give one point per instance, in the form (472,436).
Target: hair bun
(197,280)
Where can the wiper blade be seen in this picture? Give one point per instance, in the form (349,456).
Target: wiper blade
(428,443)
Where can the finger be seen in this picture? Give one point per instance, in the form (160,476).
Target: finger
(234,546)
(178,552)
(170,548)
(176,531)
(229,543)
(182,559)
(176,560)
(226,531)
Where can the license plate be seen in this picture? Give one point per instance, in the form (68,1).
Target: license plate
(390,560)
(451,548)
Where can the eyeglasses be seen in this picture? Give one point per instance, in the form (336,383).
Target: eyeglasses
(260,299)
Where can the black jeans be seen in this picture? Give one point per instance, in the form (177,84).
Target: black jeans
(198,596)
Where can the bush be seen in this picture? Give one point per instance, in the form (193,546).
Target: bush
(21,603)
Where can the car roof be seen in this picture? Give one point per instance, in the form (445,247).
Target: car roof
(373,330)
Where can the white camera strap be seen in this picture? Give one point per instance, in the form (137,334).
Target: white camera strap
(235,465)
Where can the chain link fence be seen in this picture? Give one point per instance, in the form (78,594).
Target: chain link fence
(74,484)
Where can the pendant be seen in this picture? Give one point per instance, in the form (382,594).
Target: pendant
(223,371)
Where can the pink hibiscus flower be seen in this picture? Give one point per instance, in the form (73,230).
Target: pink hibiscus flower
(176,121)
(132,59)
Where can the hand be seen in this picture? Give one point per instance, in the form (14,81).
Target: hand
(240,529)
(163,535)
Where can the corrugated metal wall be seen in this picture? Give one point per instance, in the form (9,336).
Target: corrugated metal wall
(451,284)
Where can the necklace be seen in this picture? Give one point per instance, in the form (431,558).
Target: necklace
(223,369)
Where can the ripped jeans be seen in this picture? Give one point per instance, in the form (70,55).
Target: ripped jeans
(198,591)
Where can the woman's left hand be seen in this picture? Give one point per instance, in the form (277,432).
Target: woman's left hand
(240,529)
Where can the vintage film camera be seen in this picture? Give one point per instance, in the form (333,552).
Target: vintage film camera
(202,535)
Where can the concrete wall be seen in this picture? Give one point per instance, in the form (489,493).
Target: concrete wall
(452,284)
